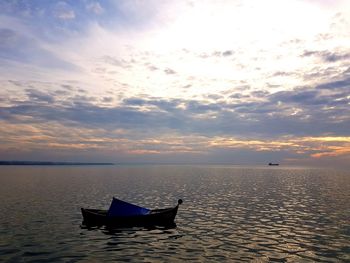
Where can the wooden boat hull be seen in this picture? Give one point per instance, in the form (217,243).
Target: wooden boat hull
(157,217)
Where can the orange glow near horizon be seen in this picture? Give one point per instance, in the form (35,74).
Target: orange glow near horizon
(25,138)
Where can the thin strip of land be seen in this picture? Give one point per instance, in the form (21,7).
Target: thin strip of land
(49,163)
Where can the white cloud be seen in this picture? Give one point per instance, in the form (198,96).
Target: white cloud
(264,38)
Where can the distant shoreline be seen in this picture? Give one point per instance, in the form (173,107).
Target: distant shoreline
(49,163)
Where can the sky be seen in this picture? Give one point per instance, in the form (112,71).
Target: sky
(234,82)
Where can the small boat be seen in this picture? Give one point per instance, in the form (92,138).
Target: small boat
(124,214)
(274,164)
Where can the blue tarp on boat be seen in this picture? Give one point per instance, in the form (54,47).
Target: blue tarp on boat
(121,208)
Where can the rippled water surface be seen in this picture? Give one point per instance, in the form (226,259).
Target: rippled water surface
(230,213)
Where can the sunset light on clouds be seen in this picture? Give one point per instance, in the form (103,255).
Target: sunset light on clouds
(241,82)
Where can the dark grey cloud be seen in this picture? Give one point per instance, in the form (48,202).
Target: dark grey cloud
(150,66)
(327,56)
(259,93)
(321,72)
(82,91)
(227,53)
(169,71)
(166,105)
(333,57)
(283,74)
(170,105)
(107,99)
(253,109)
(299,96)
(214,96)
(82,100)
(134,102)
(336,84)
(347,71)
(243,87)
(315,103)
(61,92)
(39,96)
(197,107)
(322,109)
(217,53)
(238,96)
(66,86)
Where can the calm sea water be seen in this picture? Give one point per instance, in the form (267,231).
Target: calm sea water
(230,213)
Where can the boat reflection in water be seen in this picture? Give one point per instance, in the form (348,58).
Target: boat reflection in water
(117,231)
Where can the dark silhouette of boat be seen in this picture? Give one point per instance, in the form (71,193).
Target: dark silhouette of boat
(274,164)
(123,214)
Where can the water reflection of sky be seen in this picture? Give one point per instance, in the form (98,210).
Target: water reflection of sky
(228,214)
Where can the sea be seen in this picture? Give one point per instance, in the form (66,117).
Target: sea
(229,213)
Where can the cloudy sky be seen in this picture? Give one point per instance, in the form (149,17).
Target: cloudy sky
(239,81)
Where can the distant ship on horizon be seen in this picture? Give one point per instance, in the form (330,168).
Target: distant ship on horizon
(274,164)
